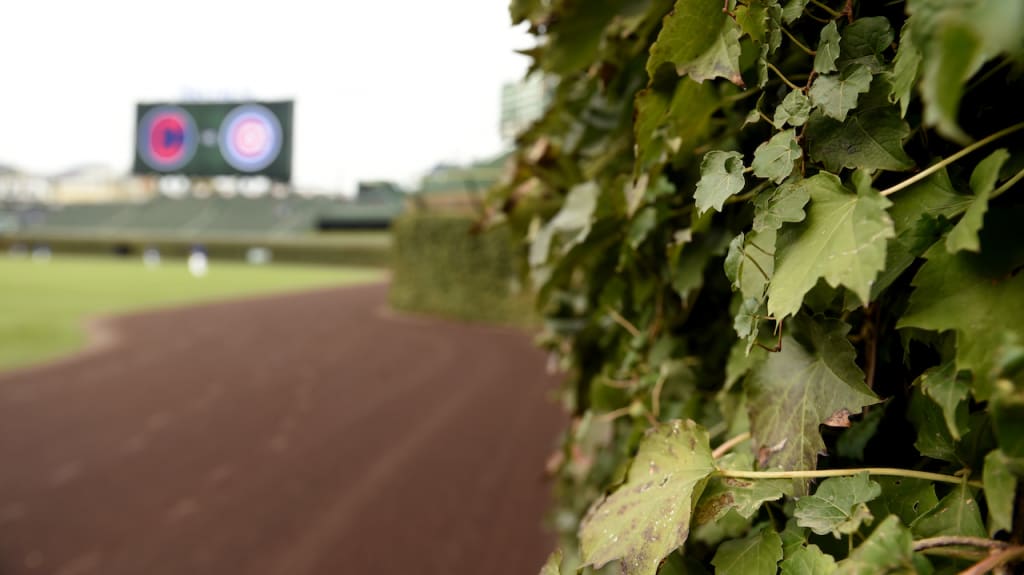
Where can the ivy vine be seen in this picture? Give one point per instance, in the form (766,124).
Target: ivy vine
(777,245)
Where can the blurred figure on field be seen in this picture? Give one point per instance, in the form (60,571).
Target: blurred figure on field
(197,264)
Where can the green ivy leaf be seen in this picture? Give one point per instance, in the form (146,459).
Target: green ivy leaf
(744,496)
(808,560)
(956,514)
(774,159)
(835,95)
(842,240)
(863,43)
(828,49)
(955,39)
(933,437)
(574,218)
(838,506)
(794,109)
(553,566)
(905,70)
(907,498)
(649,516)
(974,295)
(949,392)
(721,176)
(1000,492)
(949,61)
(793,10)
(687,261)
(750,263)
(808,383)
(964,236)
(753,555)
(782,205)
(700,41)
(871,137)
(889,549)
(641,226)
(685,113)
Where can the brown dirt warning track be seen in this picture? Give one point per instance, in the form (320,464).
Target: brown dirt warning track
(291,435)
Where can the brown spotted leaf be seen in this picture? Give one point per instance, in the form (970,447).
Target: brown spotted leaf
(649,516)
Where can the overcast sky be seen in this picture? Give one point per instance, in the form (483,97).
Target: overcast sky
(381,89)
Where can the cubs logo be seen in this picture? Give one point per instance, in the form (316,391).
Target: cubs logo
(250,138)
(167,138)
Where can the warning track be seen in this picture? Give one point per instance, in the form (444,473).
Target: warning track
(291,435)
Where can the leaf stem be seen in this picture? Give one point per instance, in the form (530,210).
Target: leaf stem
(1007,185)
(823,6)
(798,43)
(782,76)
(948,540)
(729,444)
(656,395)
(617,317)
(989,563)
(947,161)
(817,473)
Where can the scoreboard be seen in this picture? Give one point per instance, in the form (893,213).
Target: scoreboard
(215,139)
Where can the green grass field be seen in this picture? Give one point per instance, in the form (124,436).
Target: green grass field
(44,305)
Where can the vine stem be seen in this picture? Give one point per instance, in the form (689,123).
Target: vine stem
(817,473)
(798,43)
(825,7)
(783,76)
(617,317)
(1007,185)
(949,540)
(995,560)
(729,444)
(947,161)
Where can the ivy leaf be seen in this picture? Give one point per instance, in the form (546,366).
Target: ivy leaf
(700,41)
(964,236)
(951,59)
(785,204)
(889,549)
(688,260)
(721,176)
(750,263)
(905,69)
(871,137)
(808,559)
(956,514)
(793,10)
(574,217)
(648,517)
(839,506)
(955,39)
(863,43)
(806,384)
(828,49)
(1000,491)
(685,112)
(933,437)
(835,95)
(643,223)
(774,159)
(753,555)
(842,240)
(907,498)
(948,391)
(744,496)
(975,295)
(794,109)
(553,566)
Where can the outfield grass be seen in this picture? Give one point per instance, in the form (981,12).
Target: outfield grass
(44,305)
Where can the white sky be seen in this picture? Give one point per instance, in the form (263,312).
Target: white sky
(382,90)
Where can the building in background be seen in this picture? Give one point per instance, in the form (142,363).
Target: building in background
(522,103)
(460,188)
